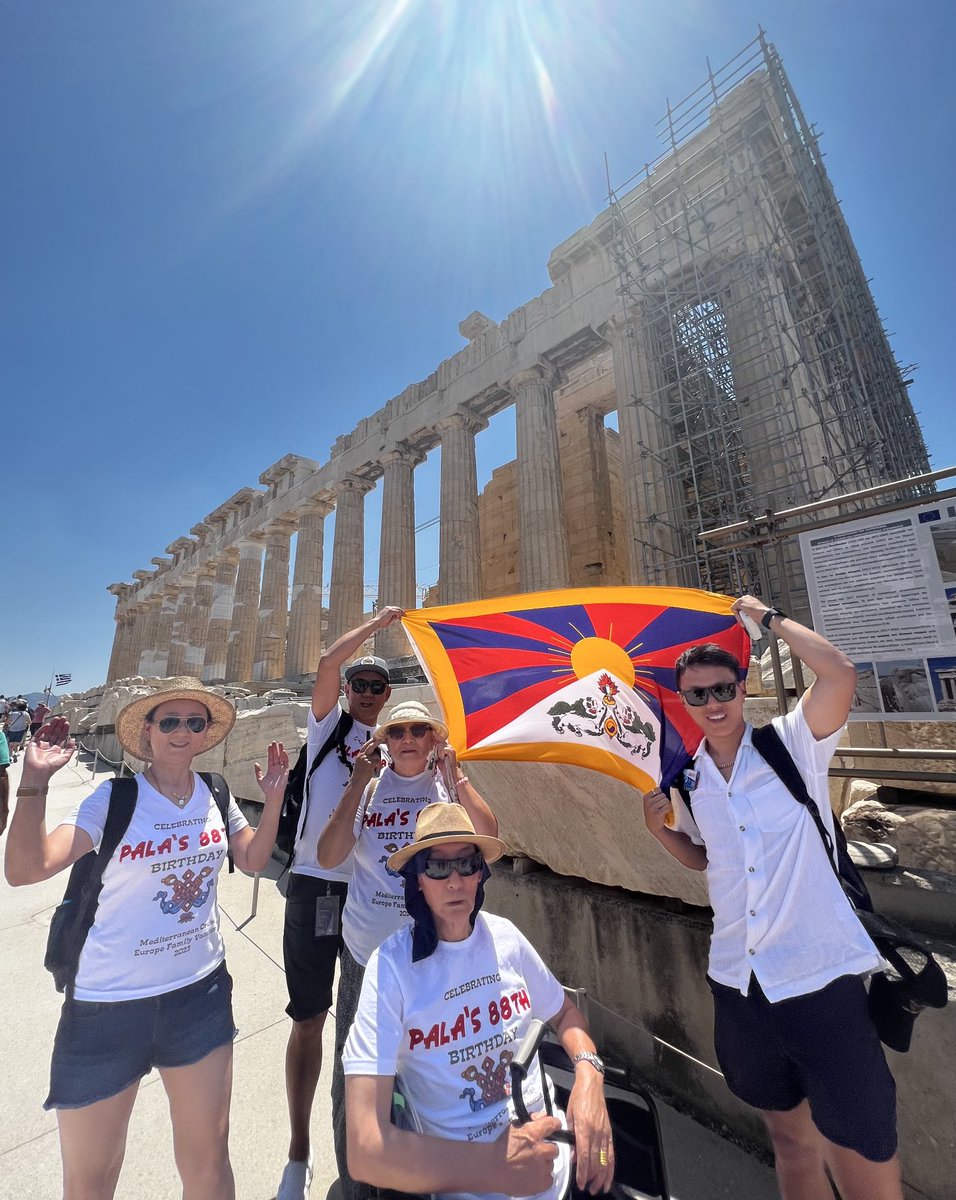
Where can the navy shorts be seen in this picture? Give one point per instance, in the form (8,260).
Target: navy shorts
(103,1047)
(821,1047)
(309,954)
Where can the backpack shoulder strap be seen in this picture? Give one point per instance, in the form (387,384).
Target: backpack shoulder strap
(123,791)
(335,741)
(220,793)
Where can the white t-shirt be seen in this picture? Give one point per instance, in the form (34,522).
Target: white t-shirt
(779,910)
(448,1026)
(384,822)
(325,790)
(157,921)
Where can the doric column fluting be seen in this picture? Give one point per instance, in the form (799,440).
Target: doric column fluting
(459,544)
(273,618)
(648,478)
(220,617)
(129,663)
(346,599)
(396,563)
(120,616)
(152,605)
(245,611)
(543,559)
(198,623)
(304,640)
(176,662)
(164,628)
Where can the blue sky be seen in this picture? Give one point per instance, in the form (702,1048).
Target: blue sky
(232,228)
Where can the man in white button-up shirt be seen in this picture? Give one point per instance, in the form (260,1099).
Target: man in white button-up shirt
(788,956)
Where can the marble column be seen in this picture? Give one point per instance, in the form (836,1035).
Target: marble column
(176,664)
(129,660)
(198,623)
(459,546)
(543,560)
(304,641)
(120,591)
(273,617)
(220,617)
(396,563)
(346,598)
(164,627)
(650,479)
(147,640)
(245,611)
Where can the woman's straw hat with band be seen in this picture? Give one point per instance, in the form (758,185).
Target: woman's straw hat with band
(131,727)
(438,823)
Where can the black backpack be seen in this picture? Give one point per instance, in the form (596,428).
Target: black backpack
(766,741)
(297,788)
(74,915)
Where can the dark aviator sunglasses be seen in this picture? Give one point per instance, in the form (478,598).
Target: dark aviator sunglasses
(193,724)
(724,691)
(441,868)
(375,686)
(395,733)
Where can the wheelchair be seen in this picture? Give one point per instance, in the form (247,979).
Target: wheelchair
(639,1169)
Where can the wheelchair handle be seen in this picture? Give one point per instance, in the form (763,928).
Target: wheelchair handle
(524,1059)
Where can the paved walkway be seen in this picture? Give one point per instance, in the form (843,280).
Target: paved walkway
(701,1165)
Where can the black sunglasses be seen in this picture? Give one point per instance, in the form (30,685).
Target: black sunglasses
(441,868)
(395,733)
(193,724)
(375,686)
(724,691)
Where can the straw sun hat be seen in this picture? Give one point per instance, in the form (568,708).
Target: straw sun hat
(411,712)
(437,823)
(131,722)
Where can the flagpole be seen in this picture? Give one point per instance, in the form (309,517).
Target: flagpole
(49,690)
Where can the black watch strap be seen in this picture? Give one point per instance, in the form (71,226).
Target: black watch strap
(769,616)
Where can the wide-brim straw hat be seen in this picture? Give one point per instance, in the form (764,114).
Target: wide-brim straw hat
(438,823)
(411,712)
(131,722)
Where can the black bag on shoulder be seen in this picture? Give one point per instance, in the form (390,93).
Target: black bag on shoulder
(297,788)
(74,915)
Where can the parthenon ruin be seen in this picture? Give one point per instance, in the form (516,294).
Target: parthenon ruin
(717,306)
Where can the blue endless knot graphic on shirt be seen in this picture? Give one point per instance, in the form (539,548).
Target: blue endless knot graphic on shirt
(188,893)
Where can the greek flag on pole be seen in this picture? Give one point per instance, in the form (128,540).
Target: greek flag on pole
(582,676)
(62,679)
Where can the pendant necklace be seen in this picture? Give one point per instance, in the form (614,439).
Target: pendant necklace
(180,801)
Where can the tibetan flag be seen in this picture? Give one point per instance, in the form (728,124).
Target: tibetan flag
(582,676)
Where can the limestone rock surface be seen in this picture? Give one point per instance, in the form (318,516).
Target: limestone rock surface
(925,838)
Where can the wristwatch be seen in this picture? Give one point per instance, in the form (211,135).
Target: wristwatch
(769,616)
(586,1056)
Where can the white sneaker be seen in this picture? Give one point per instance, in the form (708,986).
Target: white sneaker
(296,1181)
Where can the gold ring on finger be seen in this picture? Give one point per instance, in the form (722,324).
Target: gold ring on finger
(602,1158)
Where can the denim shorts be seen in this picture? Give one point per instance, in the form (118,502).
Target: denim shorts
(103,1047)
(821,1047)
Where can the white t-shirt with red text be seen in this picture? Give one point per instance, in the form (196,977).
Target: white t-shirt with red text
(157,921)
(448,1027)
(384,822)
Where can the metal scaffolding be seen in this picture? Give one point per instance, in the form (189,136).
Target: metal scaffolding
(763,375)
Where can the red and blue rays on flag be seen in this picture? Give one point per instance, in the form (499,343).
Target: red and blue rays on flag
(582,676)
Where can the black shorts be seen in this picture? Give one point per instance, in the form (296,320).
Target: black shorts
(310,954)
(821,1047)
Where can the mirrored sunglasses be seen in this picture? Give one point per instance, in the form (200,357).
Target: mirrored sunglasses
(375,686)
(724,691)
(193,724)
(395,733)
(441,868)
